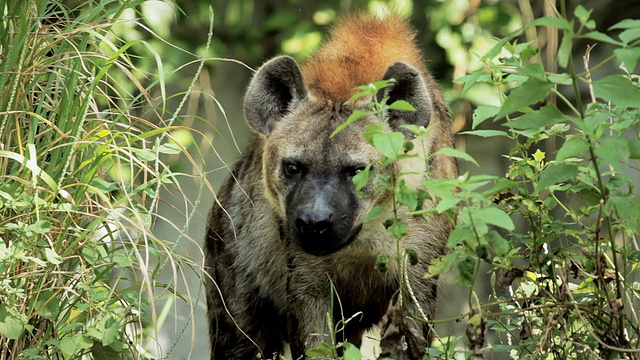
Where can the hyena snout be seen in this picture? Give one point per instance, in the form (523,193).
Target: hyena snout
(315,220)
(320,220)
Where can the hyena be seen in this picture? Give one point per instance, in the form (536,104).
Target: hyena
(288,225)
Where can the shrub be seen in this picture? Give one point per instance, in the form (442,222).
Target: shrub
(85,152)
(558,232)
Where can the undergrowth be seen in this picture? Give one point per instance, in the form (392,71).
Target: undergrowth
(558,233)
(87,143)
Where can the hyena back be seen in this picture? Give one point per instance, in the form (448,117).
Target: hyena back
(287,223)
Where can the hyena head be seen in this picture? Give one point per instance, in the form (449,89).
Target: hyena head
(308,174)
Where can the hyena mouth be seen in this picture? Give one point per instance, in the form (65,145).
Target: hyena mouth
(326,244)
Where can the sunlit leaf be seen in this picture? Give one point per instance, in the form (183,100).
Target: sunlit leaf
(401,105)
(554,22)
(587,286)
(483,112)
(596,35)
(530,92)
(495,216)
(545,116)
(389,144)
(485,133)
(52,257)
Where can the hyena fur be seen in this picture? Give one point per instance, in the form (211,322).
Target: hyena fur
(287,223)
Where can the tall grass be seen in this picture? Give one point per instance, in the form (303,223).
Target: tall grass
(84,154)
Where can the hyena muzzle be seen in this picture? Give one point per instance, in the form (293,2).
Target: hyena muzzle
(287,225)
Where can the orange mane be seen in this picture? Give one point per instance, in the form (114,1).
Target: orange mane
(359,51)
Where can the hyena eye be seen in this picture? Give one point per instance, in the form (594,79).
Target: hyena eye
(352,171)
(290,169)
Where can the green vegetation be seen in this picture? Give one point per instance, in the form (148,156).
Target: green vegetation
(564,284)
(91,135)
(87,143)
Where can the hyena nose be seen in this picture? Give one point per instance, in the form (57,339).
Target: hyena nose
(314,222)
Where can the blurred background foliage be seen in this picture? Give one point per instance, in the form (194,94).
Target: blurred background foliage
(453,34)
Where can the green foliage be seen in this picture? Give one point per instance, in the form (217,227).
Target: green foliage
(558,232)
(81,167)
(567,276)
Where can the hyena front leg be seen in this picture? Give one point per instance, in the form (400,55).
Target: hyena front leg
(308,323)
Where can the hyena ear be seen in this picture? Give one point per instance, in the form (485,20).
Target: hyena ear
(411,87)
(276,88)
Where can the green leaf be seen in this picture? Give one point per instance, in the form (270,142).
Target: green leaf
(530,92)
(467,268)
(389,144)
(495,216)
(500,245)
(626,24)
(110,332)
(625,208)
(381,263)
(611,150)
(448,203)
(398,230)
(497,48)
(103,185)
(362,178)
(355,115)
(73,344)
(582,14)
(145,154)
(101,352)
(634,149)
(11,324)
(556,173)
(564,50)
(374,213)
(629,35)
(554,22)
(482,113)
(596,35)
(470,80)
(457,154)
(169,149)
(40,227)
(573,146)
(485,133)
(617,89)
(51,256)
(534,70)
(401,105)
(545,116)
(351,352)
(281,19)
(47,304)
(459,235)
(587,286)
(629,57)
(407,196)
